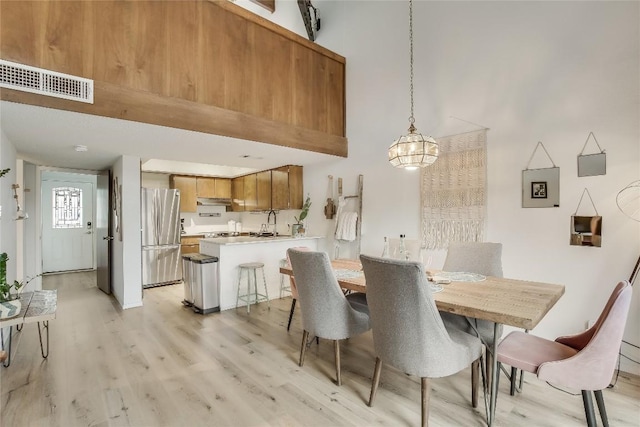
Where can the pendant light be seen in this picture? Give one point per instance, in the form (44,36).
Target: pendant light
(413,150)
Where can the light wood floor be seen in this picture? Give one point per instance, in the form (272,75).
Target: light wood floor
(163,365)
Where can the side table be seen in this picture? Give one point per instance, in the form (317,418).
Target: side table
(37,306)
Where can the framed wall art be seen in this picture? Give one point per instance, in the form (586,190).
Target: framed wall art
(539,190)
(541,187)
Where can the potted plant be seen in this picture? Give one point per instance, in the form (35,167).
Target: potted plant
(297,229)
(9,292)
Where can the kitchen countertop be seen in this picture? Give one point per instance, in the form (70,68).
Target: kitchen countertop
(192,235)
(243,240)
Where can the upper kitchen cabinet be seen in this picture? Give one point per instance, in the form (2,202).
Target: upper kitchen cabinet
(286,188)
(188,187)
(257,191)
(250,192)
(215,188)
(237,194)
(207,66)
(263,191)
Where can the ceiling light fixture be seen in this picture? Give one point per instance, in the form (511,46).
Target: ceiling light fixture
(413,150)
(80,148)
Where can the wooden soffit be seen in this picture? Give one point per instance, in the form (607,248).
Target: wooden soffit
(206,66)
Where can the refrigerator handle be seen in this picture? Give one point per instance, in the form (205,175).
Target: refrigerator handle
(156,216)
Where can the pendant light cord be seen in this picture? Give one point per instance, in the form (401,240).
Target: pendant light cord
(411,118)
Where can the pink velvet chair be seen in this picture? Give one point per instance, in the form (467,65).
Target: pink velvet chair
(585,361)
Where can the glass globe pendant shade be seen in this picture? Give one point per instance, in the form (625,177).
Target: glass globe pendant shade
(413,151)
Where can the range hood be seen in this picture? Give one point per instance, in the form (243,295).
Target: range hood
(213,207)
(205,201)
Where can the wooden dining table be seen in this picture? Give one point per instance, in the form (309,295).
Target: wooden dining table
(504,301)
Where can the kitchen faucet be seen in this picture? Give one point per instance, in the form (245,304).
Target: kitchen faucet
(275,221)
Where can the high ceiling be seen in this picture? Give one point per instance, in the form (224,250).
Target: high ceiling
(47,137)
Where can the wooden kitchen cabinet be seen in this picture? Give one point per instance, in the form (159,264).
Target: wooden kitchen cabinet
(280,188)
(187,186)
(263,191)
(296,196)
(237,194)
(250,192)
(223,188)
(213,188)
(286,188)
(190,244)
(276,189)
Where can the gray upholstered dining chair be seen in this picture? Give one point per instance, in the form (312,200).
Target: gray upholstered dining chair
(474,257)
(326,312)
(294,289)
(408,332)
(585,361)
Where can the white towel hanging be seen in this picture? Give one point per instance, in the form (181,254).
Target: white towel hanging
(346,226)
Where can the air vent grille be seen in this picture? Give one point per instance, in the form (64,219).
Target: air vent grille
(44,82)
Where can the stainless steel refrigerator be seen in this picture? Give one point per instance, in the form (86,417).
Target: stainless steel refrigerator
(160,237)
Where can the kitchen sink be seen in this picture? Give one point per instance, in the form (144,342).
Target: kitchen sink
(264,234)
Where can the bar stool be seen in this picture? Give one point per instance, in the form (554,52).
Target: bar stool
(252,297)
(284,281)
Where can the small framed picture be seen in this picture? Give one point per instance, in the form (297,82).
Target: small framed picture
(539,190)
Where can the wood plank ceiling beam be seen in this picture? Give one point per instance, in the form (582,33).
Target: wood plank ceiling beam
(119,102)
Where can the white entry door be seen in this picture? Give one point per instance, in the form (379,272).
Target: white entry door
(67,226)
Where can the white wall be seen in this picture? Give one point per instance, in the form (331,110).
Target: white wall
(126,261)
(155,180)
(32,249)
(531,72)
(7,224)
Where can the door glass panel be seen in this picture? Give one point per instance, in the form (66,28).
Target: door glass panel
(67,207)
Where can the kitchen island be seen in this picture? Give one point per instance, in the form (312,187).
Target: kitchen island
(233,251)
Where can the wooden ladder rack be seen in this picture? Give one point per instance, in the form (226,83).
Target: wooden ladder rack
(359,211)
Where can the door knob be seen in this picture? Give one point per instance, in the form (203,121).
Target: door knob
(108,238)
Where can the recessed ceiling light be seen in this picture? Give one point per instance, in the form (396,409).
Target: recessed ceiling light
(80,148)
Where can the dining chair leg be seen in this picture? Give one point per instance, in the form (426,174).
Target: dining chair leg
(514,375)
(588,408)
(475,379)
(375,380)
(489,368)
(521,381)
(293,308)
(425,391)
(336,347)
(303,348)
(601,408)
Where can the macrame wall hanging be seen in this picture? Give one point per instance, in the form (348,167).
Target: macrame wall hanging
(541,187)
(453,191)
(592,164)
(586,230)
